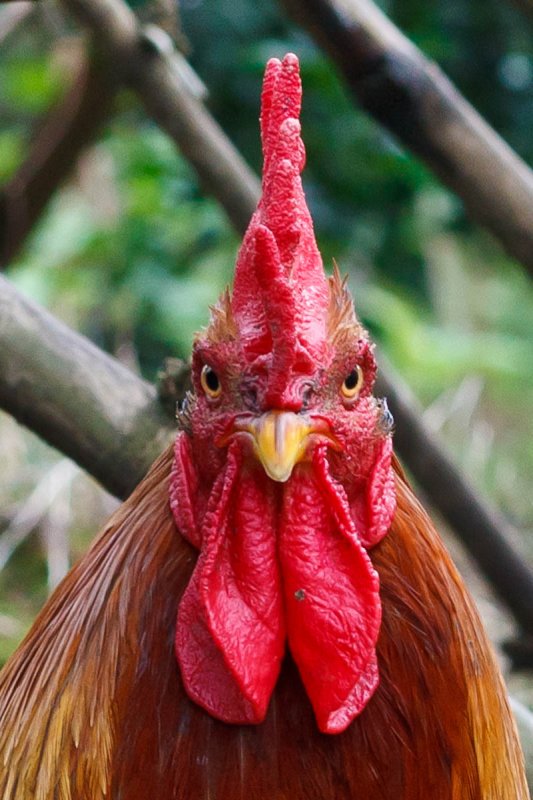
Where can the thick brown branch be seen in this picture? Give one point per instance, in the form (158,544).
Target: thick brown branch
(76,397)
(412,97)
(69,127)
(149,65)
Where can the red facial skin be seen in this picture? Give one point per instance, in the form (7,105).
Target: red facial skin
(292,554)
(282,562)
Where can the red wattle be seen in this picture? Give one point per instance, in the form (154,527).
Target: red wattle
(231,621)
(380,496)
(332,602)
(230,632)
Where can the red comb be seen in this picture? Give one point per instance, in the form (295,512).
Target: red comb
(280,295)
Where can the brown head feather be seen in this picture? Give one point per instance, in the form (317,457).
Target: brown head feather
(342,325)
(222,326)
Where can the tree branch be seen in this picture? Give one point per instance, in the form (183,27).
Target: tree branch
(150,66)
(76,397)
(11,16)
(410,95)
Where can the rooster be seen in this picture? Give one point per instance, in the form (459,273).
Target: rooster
(324,647)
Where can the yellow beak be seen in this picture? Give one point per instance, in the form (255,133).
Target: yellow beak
(280,440)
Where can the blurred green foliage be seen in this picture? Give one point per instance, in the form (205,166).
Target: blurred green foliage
(132,253)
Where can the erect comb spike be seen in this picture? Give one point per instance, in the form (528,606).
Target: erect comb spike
(272,71)
(281,208)
(277,296)
(247,301)
(281,99)
(283,213)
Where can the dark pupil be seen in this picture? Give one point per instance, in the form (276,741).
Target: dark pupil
(352,379)
(211,379)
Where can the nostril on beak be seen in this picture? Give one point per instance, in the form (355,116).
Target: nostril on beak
(306,397)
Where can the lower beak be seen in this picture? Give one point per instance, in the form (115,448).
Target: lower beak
(280,440)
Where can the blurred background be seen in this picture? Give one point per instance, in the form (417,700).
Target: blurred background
(131,252)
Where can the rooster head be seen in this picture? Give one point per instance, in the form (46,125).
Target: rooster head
(282,476)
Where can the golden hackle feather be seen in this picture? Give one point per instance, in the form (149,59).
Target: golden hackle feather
(342,325)
(92,706)
(222,326)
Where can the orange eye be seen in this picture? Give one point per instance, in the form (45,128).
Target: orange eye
(352,384)
(210,382)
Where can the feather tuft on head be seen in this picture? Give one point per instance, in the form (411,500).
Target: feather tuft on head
(342,324)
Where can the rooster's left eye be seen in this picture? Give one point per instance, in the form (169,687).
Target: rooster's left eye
(352,384)
(210,382)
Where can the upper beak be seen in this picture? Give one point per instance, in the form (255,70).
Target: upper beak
(280,439)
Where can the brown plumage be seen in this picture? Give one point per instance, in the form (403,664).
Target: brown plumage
(92,706)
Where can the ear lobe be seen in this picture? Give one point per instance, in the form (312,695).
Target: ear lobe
(183,490)
(380,496)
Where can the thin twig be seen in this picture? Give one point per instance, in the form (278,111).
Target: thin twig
(35,508)
(9,626)
(54,532)
(412,97)
(68,128)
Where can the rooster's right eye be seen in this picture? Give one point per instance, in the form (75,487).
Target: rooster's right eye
(210,382)
(352,384)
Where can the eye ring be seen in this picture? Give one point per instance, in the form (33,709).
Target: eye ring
(352,384)
(210,382)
